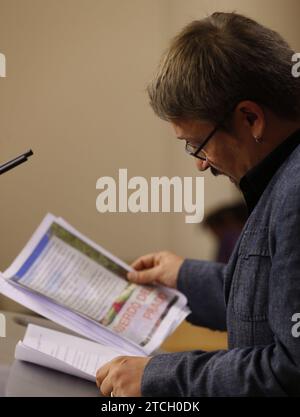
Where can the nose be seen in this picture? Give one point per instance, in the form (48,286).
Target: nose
(202,165)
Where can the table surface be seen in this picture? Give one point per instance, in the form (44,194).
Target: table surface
(21,379)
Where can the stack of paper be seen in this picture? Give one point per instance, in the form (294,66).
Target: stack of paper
(69,354)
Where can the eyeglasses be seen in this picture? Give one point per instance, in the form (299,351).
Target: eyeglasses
(196,150)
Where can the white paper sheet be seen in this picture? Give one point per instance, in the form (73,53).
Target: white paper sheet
(63,352)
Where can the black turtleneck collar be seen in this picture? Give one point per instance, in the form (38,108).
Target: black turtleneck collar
(254,182)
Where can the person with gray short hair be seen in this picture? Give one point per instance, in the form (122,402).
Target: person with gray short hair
(226,87)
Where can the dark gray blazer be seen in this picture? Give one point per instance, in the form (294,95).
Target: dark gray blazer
(254,297)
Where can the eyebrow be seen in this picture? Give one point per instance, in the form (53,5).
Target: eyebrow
(191,140)
(186,138)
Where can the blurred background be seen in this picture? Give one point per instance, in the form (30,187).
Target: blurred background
(75,93)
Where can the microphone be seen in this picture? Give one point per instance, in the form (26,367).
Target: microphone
(15,162)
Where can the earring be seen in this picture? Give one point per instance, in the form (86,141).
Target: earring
(258,138)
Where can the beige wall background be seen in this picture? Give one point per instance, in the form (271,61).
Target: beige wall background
(75,94)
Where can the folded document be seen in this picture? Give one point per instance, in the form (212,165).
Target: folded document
(67,278)
(62,352)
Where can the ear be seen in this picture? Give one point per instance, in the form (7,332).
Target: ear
(252,117)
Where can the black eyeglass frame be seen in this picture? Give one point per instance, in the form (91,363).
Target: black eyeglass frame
(210,135)
(196,152)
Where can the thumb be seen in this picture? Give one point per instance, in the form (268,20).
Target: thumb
(147,276)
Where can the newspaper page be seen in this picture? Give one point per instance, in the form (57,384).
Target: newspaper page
(68,269)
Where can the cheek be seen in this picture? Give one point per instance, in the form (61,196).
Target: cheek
(218,154)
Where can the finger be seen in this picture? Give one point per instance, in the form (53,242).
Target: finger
(105,384)
(147,276)
(144,262)
(102,373)
(106,387)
